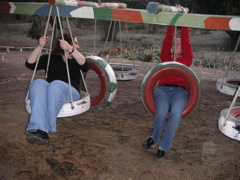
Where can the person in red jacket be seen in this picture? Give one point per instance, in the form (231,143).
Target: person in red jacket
(171,94)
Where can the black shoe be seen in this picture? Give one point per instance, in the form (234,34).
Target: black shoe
(39,137)
(148,143)
(160,155)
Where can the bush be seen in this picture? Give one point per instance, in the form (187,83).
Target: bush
(144,54)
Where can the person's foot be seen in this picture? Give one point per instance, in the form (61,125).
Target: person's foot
(148,143)
(39,137)
(160,154)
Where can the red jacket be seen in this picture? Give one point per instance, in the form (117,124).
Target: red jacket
(185,58)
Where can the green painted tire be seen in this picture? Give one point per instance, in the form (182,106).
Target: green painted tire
(108,81)
(170,68)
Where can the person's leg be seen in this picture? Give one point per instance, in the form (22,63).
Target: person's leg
(38,103)
(58,95)
(38,125)
(179,99)
(161,99)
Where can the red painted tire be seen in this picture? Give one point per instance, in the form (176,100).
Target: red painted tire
(108,82)
(235,114)
(170,68)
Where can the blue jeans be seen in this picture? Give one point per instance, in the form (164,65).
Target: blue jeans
(173,100)
(46,101)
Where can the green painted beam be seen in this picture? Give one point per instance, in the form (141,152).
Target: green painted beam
(204,21)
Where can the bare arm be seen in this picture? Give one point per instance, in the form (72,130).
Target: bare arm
(74,52)
(32,58)
(167,45)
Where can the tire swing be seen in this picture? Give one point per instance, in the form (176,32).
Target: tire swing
(123,72)
(228,86)
(229,120)
(231,126)
(72,108)
(108,87)
(170,68)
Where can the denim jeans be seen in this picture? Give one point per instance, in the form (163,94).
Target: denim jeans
(172,101)
(46,101)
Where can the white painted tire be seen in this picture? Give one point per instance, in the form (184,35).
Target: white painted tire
(80,106)
(227,86)
(108,81)
(124,72)
(232,126)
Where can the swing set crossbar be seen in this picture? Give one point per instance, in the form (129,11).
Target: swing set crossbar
(204,21)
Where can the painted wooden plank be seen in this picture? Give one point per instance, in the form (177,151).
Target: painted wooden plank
(212,22)
(83,12)
(5,8)
(127,15)
(103,13)
(176,19)
(234,23)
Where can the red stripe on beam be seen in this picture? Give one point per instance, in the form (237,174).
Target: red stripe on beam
(51,2)
(5,7)
(217,23)
(127,15)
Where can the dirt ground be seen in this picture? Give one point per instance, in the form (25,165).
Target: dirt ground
(106,144)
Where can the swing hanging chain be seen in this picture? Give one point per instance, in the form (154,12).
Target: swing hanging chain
(65,56)
(40,52)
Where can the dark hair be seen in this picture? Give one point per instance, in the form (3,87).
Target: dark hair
(57,50)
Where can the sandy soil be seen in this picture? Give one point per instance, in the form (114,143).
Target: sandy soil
(106,144)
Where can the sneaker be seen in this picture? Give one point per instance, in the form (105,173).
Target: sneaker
(160,154)
(148,143)
(39,137)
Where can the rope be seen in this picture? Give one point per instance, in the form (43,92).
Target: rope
(130,47)
(232,56)
(95,33)
(231,106)
(238,91)
(231,59)
(107,37)
(65,55)
(35,69)
(175,36)
(70,31)
(50,49)
(121,46)
(84,83)
(114,26)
